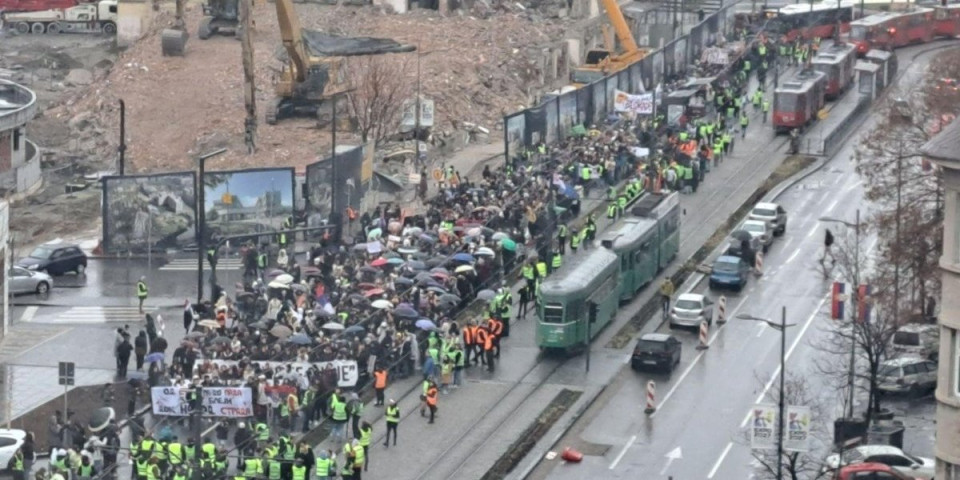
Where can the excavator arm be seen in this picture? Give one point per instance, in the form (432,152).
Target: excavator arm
(292,35)
(619,26)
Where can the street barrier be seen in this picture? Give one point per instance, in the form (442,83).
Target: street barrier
(834,140)
(704,331)
(651,398)
(758,264)
(722,310)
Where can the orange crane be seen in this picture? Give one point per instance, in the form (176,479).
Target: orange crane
(600,63)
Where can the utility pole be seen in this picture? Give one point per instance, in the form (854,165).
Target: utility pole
(783,376)
(123,137)
(202,218)
(416,128)
(851,380)
(896,238)
(249,85)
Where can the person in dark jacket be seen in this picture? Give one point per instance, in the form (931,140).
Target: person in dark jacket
(140,348)
(123,356)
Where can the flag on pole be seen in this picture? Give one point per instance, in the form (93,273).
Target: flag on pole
(837,298)
(864,303)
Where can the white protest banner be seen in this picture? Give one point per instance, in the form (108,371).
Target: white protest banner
(625,102)
(716,56)
(798,429)
(763,427)
(347,371)
(233,402)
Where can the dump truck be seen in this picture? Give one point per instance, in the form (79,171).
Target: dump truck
(10,6)
(83,18)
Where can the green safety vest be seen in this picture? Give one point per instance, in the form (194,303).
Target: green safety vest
(339,409)
(176,453)
(283,239)
(621,202)
(365,435)
(273,470)
(783,50)
(766,106)
(177,476)
(358,406)
(161,452)
(729,111)
(757,97)
(683,136)
(717,146)
(687,173)
(744,120)
(262,260)
(542,268)
(557,261)
(575,240)
(528,272)
(84,470)
(585,173)
(142,293)
(210,450)
(542,149)
(263,432)
(393,414)
(727,138)
(299,472)
(762,50)
(360,453)
(150,474)
(251,467)
(612,210)
(284,410)
(18,462)
(142,467)
(289,452)
(562,231)
(324,467)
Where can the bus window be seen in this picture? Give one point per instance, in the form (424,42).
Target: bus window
(553,313)
(625,263)
(858,32)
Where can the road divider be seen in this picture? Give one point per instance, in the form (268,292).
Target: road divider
(758,264)
(651,397)
(704,331)
(722,310)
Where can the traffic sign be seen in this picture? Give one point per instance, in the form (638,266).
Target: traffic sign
(67,373)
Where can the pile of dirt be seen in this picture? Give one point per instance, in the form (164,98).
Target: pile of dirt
(476,69)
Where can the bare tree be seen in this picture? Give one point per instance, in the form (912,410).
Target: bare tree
(796,465)
(380,86)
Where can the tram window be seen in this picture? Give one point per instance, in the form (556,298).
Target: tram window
(637,257)
(786,102)
(858,32)
(625,262)
(553,313)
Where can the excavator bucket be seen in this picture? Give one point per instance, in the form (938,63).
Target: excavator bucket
(173,42)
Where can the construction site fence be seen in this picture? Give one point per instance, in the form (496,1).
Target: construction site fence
(554,118)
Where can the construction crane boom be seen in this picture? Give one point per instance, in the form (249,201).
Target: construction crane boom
(619,23)
(292,35)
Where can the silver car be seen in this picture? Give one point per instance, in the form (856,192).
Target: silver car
(21,280)
(760,229)
(690,310)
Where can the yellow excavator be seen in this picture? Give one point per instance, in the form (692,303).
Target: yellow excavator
(313,72)
(600,63)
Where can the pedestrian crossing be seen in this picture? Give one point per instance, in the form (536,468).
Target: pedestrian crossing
(89,315)
(190,265)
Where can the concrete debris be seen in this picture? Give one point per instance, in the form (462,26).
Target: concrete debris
(79,77)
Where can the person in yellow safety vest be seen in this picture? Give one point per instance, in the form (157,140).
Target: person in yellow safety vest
(359,459)
(346,469)
(142,292)
(299,470)
(757,99)
(556,262)
(221,463)
(575,241)
(562,238)
(142,464)
(16,465)
(762,50)
(591,228)
(288,411)
(252,467)
(263,433)
(209,450)
(542,148)
(366,435)
(683,136)
(153,471)
(765,107)
(744,122)
(147,445)
(161,453)
(621,203)
(182,473)
(542,268)
(612,210)
(273,469)
(326,468)
(175,451)
(190,452)
(339,415)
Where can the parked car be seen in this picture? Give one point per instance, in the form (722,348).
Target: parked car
(656,350)
(771,213)
(56,259)
(21,280)
(10,441)
(870,471)
(729,272)
(743,244)
(913,375)
(690,309)
(893,457)
(761,230)
(917,339)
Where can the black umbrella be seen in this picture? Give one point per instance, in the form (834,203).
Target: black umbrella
(221,340)
(449,298)
(405,312)
(403,281)
(741,235)
(423,277)
(262,324)
(416,265)
(419,255)
(354,330)
(101,418)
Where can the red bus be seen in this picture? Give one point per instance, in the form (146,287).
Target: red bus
(889,30)
(947,20)
(837,62)
(809,20)
(797,100)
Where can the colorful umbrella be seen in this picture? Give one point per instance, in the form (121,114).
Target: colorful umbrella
(379,262)
(373,292)
(426,324)
(381,304)
(464,257)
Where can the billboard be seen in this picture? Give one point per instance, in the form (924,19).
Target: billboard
(143,212)
(247,202)
(568,113)
(514,131)
(763,427)
(536,124)
(349,187)
(552,107)
(320,188)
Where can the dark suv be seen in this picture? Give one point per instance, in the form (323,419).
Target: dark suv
(656,350)
(55,259)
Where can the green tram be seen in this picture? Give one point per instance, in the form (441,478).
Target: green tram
(598,279)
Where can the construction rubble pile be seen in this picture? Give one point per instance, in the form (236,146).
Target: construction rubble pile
(476,69)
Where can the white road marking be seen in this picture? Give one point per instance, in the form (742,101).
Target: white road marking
(762,328)
(696,359)
(787,243)
(623,452)
(795,253)
(793,346)
(833,205)
(812,231)
(723,455)
(855,185)
(29,313)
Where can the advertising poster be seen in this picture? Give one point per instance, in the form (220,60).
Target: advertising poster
(515,131)
(149,212)
(320,188)
(247,202)
(763,427)
(798,429)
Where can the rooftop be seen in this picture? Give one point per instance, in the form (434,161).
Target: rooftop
(18,105)
(944,148)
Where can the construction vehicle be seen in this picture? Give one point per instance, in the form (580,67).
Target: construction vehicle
(219,16)
(313,72)
(83,18)
(173,41)
(600,63)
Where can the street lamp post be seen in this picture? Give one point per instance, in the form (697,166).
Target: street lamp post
(854,303)
(202,218)
(782,327)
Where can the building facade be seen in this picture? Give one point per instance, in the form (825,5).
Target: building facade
(944,150)
(19,157)
(4,262)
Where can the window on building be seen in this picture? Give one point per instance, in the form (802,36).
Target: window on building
(16,139)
